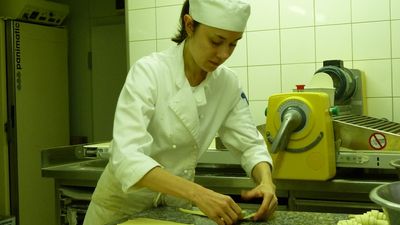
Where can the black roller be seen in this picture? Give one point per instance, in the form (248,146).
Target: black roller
(343,81)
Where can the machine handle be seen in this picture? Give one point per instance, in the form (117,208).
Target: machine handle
(302,149)
(293,118)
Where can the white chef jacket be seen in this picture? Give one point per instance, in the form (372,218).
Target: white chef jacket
(160,120)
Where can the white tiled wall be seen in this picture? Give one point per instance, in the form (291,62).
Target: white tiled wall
(330,12)
(371,40)
(396,78)
(286,42)
(263,47)
(370,10)
(339,47)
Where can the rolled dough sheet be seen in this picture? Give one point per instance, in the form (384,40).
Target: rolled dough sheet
(246,215)
(147,221)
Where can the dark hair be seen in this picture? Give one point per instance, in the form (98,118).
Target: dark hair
(182,34)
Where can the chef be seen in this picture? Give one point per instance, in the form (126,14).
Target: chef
(171,107)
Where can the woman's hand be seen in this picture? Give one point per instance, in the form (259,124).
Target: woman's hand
(269,203)
(218,207)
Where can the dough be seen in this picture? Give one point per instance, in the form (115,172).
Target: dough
(246,215)
(147,221)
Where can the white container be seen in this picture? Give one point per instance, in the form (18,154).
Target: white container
(329,91)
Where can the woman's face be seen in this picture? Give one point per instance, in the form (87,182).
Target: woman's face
(210,46)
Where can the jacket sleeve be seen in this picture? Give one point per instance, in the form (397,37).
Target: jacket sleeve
(131,140)
(240,135)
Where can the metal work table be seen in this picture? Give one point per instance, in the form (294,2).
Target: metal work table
(347,192)
(90,170)
(63,164)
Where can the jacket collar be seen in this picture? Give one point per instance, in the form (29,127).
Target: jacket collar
(183,103)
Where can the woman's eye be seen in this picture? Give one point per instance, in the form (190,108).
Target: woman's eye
(216,43)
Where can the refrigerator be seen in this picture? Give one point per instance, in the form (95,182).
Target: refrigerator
(34,115)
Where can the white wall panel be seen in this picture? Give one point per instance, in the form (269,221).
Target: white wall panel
(142,24)
(163,44)
(371,40)
(396,110)
(370,10)
(395,9)
(396,77)
(297,13)
(380,108)
(332,12)
(139,4)
(138,49)
(167,21)
(263,47)
(333,42)
(378,74)
(395,31)
(298,45)
(169,2)
(264,15)
(293,74)
(264,81)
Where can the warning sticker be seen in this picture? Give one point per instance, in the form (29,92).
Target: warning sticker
(377,141)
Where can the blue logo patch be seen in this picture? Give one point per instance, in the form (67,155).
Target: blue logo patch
(244,97)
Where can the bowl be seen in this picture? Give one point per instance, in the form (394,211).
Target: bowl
(388,197)
(396,164)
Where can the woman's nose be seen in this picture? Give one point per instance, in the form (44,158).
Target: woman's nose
(224,52)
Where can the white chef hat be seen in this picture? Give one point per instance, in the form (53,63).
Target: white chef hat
(229,15)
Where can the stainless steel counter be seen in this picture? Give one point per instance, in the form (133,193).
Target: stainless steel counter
(82,170)
(91,169)
(347,192)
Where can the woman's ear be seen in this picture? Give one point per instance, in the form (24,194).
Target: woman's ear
(189,24)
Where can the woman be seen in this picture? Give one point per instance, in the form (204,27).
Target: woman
(171,107)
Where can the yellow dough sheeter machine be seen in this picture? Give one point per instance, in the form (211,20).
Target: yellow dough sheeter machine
(310,137)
